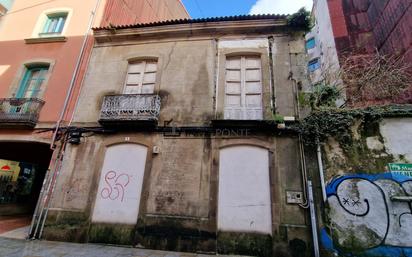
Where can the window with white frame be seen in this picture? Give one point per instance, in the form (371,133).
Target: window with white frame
(53,24)
(243,88)
(141,77)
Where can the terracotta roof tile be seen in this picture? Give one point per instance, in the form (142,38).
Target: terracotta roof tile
(201,20)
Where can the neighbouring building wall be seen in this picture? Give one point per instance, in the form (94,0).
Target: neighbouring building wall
(144,11)
(368,205)
(60,56)
(391,22)
(362,27)
(322,54)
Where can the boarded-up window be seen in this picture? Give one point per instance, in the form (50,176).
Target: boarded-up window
(141,77)
(120,184)
(243,89)
(244,203)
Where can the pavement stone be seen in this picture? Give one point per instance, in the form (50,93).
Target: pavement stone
(10,247)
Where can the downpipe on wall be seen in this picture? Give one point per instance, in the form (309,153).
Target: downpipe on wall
(40,213)
(313,222)
(75,73)
(46,194)
(321,174)
(306,183)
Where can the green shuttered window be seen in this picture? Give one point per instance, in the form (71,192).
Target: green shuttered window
(54,24)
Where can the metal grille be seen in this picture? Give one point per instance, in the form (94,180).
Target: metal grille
(20,110)
(130,107)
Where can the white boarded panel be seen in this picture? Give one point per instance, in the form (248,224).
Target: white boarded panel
(233,88)
(133,79)
(132,89)
(244,193)
(232,100)
(120,184)
(253,75)
(233,63)
(253,87)
(149,77)
(136,67)
(151,67)
(253,101)
(233,75)
(253,62)
(148,89)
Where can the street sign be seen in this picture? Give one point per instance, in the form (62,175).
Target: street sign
(401,168)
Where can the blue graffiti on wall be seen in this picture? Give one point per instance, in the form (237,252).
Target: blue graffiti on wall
(369,215)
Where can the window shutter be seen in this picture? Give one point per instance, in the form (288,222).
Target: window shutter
(141,78)
(243,89)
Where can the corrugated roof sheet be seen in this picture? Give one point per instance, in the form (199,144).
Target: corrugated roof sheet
(201,20)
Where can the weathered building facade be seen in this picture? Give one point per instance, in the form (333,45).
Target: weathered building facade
(179,140)
(367,174)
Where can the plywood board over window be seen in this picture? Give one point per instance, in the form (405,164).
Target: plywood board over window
(244,202)
(243,88)
(141,77)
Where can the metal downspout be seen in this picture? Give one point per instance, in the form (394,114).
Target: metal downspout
(75,74)
(50,183)
(321,174)
(313,222)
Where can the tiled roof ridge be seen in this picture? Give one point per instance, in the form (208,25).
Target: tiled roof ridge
(198,20)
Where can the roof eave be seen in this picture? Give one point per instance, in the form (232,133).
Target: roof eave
(258,26)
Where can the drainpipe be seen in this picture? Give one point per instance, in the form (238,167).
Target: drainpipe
(313,220)
(75,74)
(320,165)
(272,87)
(44,200)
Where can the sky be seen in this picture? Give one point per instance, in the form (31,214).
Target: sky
(215,8)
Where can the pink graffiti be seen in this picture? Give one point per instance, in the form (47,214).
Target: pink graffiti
(116,185)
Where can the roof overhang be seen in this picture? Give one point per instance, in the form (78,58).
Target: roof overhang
(190,29)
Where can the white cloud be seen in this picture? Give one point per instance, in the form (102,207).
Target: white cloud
(279,6)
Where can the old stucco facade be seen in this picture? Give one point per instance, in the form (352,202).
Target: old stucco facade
(194,180)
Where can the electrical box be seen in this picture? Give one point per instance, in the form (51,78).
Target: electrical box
(294,197)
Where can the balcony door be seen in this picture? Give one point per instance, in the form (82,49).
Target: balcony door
(141,77)
(30,87)
(243,88)
(31,83)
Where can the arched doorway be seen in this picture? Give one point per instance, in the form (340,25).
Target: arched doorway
(23,167)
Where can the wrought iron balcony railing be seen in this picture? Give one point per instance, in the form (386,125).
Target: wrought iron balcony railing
(20,111)
(130,108)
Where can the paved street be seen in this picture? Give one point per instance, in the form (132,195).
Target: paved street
(22,248)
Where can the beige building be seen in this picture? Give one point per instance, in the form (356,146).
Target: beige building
(179,140)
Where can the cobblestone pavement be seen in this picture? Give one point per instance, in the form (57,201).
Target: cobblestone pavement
(24,248)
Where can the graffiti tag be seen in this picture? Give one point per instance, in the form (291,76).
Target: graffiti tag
(370,212)
(115,185)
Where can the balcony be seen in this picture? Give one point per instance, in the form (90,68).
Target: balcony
(20,112)
(133,110)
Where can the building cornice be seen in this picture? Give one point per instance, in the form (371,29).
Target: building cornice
(215,28)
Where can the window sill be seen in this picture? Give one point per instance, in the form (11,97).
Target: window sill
(39,40)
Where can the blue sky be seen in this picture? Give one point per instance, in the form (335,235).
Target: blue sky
(213,8)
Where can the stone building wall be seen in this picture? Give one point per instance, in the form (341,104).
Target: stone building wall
(368,209)
(180,183)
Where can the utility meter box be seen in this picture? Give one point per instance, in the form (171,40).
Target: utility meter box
(294,197)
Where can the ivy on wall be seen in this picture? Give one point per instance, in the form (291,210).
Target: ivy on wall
(337,122)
